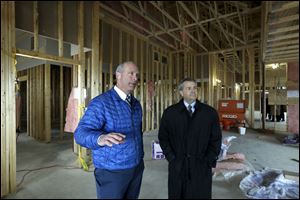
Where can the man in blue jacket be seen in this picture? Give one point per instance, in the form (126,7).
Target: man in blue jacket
(112,128)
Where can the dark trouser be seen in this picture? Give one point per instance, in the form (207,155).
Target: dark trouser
(119,184)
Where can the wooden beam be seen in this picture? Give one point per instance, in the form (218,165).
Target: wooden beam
(283,30)
(286,6)
(111,49)
(178,24)
(134,24)
(216,15)
(284,59)
(47,100)
(61,100)
(60,28)
(233,14)
(142,82)
(241,20)
(285,19)
(147,73)
(200,25)
(44,56)
(285,43)
(296,46)
(279,53)
(95,50)
(35,26)
(222,51)
(284,37)
(151,21)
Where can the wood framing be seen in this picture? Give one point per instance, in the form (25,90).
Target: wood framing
(8,109)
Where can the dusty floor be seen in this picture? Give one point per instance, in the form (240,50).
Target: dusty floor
(52,173)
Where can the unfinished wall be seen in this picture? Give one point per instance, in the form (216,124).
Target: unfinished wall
(293,97)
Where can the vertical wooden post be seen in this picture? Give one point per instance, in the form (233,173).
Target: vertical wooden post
(177,75)
(211,80)
(38,103)
(95,50)
(152,64)
(127,46)
(161,72)
(120,47)
(61,101)
(111,58)
(142,82)
(8,103)
(61,54)
(251,85)
(148,64)
(101,62)
(225,78)
(35,26)
(47,101)
(134,59)
(60,28)
(202,79)
(170,67)
(28,99)
(34,112)
(157,90)
(81,66)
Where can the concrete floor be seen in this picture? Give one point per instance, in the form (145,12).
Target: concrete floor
(56,177)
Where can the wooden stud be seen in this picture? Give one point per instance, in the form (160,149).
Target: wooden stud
(147,71)
(61,101)
(152,63)
(81,66)
(161,79)
(8,109)
(28,90)
(243,73)
(170,78)
(251,85)
(47,100)
(95,50)
(202,79)
(34,102)
(142,82)
(35,26)
(100,90)
(134,58)
(38,104)
(111,58)
(60,28)
(44,56)
(157,89)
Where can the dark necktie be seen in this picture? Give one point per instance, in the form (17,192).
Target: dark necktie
(190,110)
(128,99)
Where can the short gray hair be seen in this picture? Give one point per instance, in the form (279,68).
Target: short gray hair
(120,67)
(180,85)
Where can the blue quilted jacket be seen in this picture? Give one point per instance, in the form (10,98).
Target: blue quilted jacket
(109,113)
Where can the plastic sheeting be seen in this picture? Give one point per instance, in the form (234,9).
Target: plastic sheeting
(269,184)
(230,164)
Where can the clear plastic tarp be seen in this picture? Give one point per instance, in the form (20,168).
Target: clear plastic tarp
(269,184)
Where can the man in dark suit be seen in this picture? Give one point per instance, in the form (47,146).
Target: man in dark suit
(190,137)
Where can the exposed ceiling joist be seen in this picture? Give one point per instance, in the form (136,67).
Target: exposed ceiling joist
(178,24)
